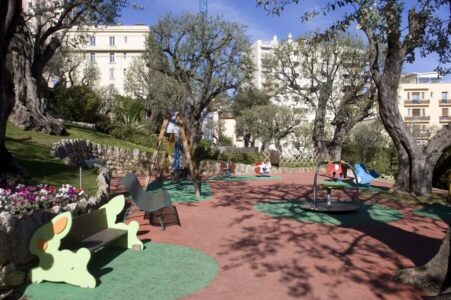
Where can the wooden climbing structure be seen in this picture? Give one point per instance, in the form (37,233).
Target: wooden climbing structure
(174,126)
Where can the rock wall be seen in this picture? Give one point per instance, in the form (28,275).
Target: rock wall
(121,161)
(16,233)
(118,160)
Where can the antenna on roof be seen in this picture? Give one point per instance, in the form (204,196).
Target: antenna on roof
(203,7)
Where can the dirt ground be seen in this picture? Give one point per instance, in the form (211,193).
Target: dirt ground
(262,257)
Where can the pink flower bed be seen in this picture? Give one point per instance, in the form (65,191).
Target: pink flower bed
(22,199)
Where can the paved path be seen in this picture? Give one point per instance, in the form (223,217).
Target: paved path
(261,257)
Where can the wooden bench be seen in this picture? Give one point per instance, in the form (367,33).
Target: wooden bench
(65,244)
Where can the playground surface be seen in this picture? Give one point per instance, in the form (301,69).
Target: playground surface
(267,253)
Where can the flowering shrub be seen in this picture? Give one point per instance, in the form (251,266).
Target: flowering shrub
(25,198)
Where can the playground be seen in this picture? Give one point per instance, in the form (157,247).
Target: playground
(274,255)
(248,239)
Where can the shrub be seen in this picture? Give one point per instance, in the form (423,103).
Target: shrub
(225,141)
(128,113)
(134,136)
(241,157)
(104,124)
(75,103)
(205,150)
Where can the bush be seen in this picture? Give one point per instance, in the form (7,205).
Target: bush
(205,150)
(225,141)
(128,113)
(76,103)
(383,159)
(241,157)
(134,136)
(104,124)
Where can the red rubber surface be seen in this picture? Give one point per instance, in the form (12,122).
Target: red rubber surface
(268,258)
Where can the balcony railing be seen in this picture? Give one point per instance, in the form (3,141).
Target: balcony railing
(417,102)
(445,118)
(417,118)
(445,102)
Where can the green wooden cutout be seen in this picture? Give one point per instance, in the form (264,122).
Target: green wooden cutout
(72,266)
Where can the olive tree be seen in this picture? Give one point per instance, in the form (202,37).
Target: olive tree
(206,57)
(396,32)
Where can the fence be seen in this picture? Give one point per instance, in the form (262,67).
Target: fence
(300,160)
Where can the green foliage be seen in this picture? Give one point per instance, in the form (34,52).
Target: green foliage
(248,98)
(76,103)
(369,144)
(195,61)
(104,124)
(205,150)
(225,141)
(269,122)
(128,113)
(135,136)
(241,157)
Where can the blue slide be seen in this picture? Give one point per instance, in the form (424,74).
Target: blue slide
(363,176)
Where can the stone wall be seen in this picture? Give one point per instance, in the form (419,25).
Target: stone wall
(121,161)
(16,233)
(118,160)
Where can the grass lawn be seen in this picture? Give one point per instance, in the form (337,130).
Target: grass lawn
(74,133)
(35,156)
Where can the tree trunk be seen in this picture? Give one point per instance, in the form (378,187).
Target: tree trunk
(30,109)
(319,142)
(11,172)
(433,277)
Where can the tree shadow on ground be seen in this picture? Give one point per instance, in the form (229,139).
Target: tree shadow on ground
(310,257)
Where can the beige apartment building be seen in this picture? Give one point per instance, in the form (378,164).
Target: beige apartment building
(112,49)
(424,102)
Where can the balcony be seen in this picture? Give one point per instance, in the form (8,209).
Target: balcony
(445,119)
(417,119)
(417,102)
(445,102)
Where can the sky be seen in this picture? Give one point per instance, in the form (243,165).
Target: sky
(260,25)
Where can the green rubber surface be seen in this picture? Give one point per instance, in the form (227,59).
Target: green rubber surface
(368,214)
(243,178)
(183,191)
(160,271)
(435,211)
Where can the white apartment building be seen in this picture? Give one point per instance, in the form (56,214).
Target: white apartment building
(112,49)
(424,102)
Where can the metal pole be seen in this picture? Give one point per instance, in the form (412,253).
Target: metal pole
(80,177)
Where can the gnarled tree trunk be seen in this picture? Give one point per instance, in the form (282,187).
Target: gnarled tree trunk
(30,108)
(10,171)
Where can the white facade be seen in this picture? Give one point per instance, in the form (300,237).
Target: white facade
(424,102)
(112,49)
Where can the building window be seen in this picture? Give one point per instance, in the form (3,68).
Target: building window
(432,95)
(112,74)
(445,112)
(112,41)
(415,96)
(408,95)
(416,112)
(92,40)
(125,39)
(444,95)
(111,58)
(125,71)
(125,55)
(93,57)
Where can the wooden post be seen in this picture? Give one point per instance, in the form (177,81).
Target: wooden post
(186,145)
(157,149)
